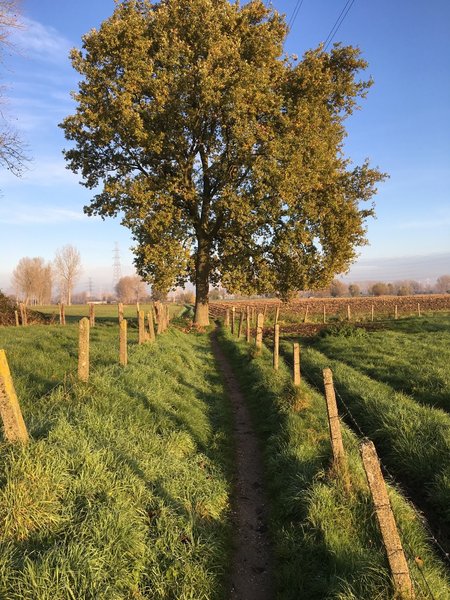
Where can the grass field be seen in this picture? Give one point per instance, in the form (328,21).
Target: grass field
(123,491)
(326,540)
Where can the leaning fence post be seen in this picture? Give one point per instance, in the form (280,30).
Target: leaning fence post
(91,314)
(141,323)
(391,539)
(296,352)
(241,324)
(13,423)
(276,346)
(83,350)
(259,332)
(151,326)
(123,349)
(333,421)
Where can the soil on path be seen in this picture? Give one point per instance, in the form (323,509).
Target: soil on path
(252,565)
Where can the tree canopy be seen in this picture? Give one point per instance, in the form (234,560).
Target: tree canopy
(223,156)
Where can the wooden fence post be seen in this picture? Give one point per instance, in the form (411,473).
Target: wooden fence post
(248,326)
(16,314)
(141,324)
(138,308)
(373,312)
(395,312)
(277,314)
(418,309)
(349,314)
(265,311)
(241,324)
(13,423)
(123,349)
(83,350)
(391,539)
(276,346)
(324,314)
(233,317)
(120,312)
(259,332)
(333,421)
(91,315)
(151,326)
(296,352)
(62,314)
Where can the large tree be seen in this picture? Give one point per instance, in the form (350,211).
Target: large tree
(67,267)
(222,155)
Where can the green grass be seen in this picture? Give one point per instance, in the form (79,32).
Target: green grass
(326,541)
(411,355)
(123,491)
(413,440)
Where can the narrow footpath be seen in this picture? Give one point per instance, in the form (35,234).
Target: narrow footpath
(252,564)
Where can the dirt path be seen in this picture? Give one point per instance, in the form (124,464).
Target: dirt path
(252,565)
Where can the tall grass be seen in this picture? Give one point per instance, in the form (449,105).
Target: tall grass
(123,491)
(412,356)
(413,440)
(326,541)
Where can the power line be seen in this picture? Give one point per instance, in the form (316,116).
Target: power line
(344,12)
(295,14)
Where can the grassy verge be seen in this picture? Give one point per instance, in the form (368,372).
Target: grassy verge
(123,491)
(411,355)
(326,541)
(413,440)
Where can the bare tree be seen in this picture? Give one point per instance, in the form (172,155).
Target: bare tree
(67,265)
(12,153)
(32,280)
(130,289)
(443,284)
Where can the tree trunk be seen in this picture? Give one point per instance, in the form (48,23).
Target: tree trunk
(202,268)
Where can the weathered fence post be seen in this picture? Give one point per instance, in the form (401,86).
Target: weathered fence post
(248,326)
(418,309)
(241,324)
(83,350)
(265,311)
(123,349)
(62,314)
(276,346)
(233,317)
(306,314)
(141,324)
(333,422)
(349,314)
(91,314)
(120,312)
(13,423)
(324,314)
(151,326)
(259,332)
(277,314)
(394,550)
(395,312)
(296,352)
(227,318)
(16,314)
(373,312)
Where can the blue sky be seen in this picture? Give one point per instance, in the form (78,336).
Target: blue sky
(403,127)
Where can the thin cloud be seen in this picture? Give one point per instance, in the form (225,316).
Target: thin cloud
(38,215)
(38,41)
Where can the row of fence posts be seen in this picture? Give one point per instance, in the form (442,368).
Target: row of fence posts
(10,412)
(388,528)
